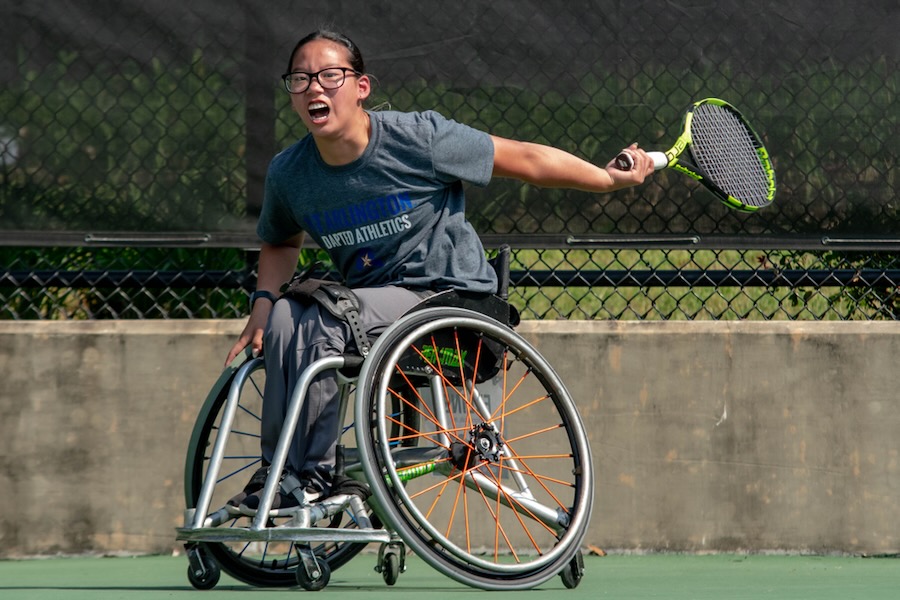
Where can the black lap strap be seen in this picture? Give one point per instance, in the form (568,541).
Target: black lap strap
(337,299)
(344,304)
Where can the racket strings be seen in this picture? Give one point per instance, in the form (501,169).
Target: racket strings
(725,149)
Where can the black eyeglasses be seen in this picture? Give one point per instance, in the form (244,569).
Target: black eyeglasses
(330,79)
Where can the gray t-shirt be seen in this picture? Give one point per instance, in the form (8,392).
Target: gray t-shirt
(396,215)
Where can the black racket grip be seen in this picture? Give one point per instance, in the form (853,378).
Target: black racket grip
(624,162)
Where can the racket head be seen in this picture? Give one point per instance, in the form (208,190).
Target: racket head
(728,155)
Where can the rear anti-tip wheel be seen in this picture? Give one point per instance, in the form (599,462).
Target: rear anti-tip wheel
(573,572)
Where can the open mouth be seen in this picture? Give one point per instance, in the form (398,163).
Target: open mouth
(318,112)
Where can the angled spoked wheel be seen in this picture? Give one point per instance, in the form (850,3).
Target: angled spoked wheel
(496,490)
(264,564)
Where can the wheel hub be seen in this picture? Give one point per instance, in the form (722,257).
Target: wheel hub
(487,443)
(483,445)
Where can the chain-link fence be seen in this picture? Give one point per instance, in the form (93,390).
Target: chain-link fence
(548,283)
(134,139)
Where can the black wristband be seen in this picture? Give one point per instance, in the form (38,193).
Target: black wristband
(262,294)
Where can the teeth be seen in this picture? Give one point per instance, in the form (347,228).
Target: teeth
(318,111)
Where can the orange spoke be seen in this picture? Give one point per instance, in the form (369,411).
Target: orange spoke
(525,406)
(526,529)
(503,396)
(443,486)
(534,433)
(521,460)
(412,433)
(453,508)
(498,529)
(438,368)
(446,383)
(449,388)
(460,490)
(442,483)
(418,406)
(547,478)
(466,512)
(536,456)
(509,394)
(427,416)
(462,366)
(471,391)
(513,502)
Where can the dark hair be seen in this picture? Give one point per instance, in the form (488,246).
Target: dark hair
(356,59)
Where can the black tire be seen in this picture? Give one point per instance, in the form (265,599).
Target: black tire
(263,564)
(208,578)
(517,480)
(571,575)
(390,568)
(314,584)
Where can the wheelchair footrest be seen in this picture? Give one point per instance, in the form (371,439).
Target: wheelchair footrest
(297,529)
(282,534)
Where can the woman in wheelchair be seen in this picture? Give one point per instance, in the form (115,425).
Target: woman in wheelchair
(382,192)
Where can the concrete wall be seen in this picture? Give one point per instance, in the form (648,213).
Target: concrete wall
(707,436)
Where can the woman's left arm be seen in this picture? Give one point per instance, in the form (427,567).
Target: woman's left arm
(546,166)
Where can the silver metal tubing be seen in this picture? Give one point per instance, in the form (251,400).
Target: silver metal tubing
(438,400)
(215,461)
(298,397)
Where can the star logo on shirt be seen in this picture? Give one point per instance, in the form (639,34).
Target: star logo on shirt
(367,259)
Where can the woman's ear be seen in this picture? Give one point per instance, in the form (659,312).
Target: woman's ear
(364,86)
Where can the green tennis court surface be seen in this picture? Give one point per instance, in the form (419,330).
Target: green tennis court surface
(673,577)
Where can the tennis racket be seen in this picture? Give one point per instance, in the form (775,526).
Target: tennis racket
(726,155)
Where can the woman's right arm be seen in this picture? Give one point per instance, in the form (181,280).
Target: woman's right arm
(277,264)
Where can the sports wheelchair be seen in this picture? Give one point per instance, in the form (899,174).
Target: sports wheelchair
(464,446)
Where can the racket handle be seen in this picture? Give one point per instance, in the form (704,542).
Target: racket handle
(625,163)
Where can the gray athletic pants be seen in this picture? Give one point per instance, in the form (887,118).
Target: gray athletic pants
(297,335)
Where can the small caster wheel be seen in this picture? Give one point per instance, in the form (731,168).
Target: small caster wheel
(390,568)
(391,561)
(204,579)
(573,572)
(203,572)
(317,580)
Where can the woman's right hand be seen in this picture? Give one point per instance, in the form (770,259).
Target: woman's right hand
(253,332)
(277,263)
